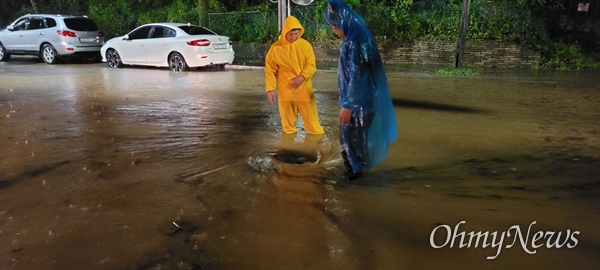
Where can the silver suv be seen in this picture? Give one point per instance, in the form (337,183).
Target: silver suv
(52,37)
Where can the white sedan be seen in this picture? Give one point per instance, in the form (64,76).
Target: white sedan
(175,45)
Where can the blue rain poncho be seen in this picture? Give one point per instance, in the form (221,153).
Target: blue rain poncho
(363,89)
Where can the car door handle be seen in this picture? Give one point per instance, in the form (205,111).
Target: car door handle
(165,44)
(141,45)
(40,34)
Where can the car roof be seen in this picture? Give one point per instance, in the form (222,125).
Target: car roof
(55,15)
(177,27)
(172,24)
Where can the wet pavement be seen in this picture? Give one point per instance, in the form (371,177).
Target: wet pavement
(144,168)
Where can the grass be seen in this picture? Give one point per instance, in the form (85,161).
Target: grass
(457,72)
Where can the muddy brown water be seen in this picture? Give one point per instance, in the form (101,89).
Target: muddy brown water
(143,168)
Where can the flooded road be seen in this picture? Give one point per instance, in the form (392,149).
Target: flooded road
(143,168)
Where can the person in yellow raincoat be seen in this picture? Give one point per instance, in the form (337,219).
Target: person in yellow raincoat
(289,67)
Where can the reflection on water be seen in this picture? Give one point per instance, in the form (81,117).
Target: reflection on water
(141,168)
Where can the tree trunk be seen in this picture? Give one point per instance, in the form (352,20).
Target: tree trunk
(462,35)
(34,5)
(203,13)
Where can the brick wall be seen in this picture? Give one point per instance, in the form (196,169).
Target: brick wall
(477,53)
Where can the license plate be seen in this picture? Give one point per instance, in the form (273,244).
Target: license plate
(87,39)
(220,46)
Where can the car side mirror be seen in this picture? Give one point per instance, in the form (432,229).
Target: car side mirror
(126,37)
(10,28)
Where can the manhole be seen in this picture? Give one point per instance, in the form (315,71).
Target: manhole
(295,157)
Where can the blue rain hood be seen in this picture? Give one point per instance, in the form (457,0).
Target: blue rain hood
(363,87)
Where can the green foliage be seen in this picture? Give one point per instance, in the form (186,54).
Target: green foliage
(115,18)
(397,17)
(436,19)
(504,21)
(182,12)
(246,27)
(570,56)
(565,38)
(216,6)
(457,72)
(76,7)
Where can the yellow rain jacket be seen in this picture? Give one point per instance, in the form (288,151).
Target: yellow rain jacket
(286,60)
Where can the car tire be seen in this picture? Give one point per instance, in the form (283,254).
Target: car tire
(113,60)
(49,54)
(177,62)
(4,55)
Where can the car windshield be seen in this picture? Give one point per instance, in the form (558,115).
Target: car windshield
(81,24)
(196,30)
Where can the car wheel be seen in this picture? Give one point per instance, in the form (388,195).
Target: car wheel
(113,60)
(4,55)
(49,54)
(177,62)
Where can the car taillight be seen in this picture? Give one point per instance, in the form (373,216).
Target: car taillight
(199,42)
(66,33)
(100,34)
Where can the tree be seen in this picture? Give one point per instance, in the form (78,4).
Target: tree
(203,12)
(34,6)
(462,35)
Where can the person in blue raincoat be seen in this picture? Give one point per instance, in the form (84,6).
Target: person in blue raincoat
(367,118)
